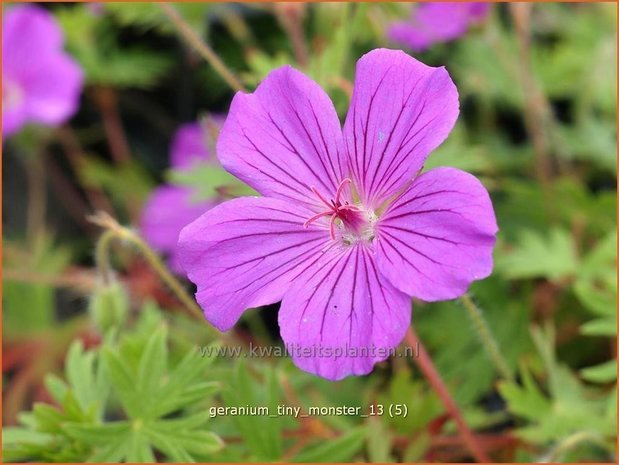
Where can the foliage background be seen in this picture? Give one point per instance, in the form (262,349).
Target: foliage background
(95,372)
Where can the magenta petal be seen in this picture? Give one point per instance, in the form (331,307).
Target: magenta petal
(438,236)
(188,146)
(168,210)
(434,22)
(403,32)
(14,115)
(28,32)
(341,316)
(40,82)
(478,10)
(52,90)
(245,253)
(283,138)
(401,110)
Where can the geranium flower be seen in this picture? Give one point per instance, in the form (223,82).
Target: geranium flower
(40,83)
(432,22)
(172,207)
(347,229)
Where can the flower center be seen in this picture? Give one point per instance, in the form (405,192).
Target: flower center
(355,223)
(12,94)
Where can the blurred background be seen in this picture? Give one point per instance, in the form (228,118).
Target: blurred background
(130,130)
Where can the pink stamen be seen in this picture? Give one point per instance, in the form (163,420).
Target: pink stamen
(332,226)
(315,191)
(340,188)
(335,207)
(315,217)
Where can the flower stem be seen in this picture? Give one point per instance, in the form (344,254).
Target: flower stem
(572,442)
(424,361)
(114,231)
(201,47)
(75,156)
(486,337)
(35,213)
(107,101)
(290,15)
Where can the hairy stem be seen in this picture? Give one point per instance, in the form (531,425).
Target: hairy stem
(486,337)
(201,47)
(114,232)
(76,157)
(425,364)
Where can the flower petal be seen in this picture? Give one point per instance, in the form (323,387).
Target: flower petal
(341,316)
(14,116)
(438,236)
(168,210)
(188,146)
(405,33)
(283,138)
(245,253)
(28,33)
(434,22)
(52,89)
(401,110)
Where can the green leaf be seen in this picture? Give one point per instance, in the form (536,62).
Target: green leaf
(257,431)
(207,181)
(341,449)
(568,407)
(600,327)
(166,444)
(56,387)
(138,448)
(603,373)
(113,452)
(98,434)
(13,435)
(152,367)
(29,307)
(379,442)
(127,183)
(527,400)
(187,422)
(180,390)
(199,442)
(87,382)
(273,426)
(552,256)
(123,380)
(48,418)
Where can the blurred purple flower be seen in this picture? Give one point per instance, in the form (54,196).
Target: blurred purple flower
(346,231)
(437,22)
(170,208)
(40,82)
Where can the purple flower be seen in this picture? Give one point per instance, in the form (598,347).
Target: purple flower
(40,83)
(170,208)
(437,22)
(347,230)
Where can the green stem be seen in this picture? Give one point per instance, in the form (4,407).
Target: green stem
(102,256)
(114,231)
(201,47)
(486,337)
(573,441)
